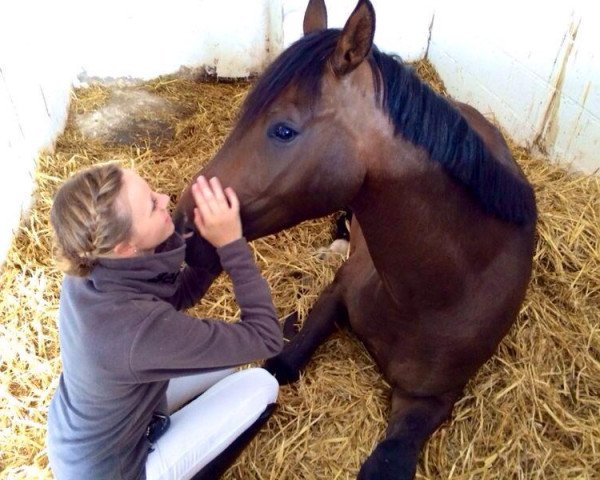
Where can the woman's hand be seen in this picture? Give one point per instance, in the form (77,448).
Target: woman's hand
(217,212)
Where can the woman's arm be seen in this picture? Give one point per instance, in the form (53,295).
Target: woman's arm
(195,280)
(170,343)
(217,218)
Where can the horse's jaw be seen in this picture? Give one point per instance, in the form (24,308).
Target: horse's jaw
(260,224)
(262,217)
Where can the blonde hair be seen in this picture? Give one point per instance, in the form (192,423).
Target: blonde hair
(86,220)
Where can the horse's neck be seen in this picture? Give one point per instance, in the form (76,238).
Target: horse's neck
(384,210)
(411,226)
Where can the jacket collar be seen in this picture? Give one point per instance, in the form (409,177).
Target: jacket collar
(155,274)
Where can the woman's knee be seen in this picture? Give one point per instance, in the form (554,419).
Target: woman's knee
(257,383)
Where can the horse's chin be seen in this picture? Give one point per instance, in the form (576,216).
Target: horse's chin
(261,225)
(252,232)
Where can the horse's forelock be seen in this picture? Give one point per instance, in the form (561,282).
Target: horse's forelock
(302,64)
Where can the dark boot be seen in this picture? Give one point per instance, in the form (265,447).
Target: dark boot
(217,467)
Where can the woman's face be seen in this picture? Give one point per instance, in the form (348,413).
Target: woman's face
(150,217)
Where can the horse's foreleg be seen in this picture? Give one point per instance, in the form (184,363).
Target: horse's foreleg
(412,421)
(319,324)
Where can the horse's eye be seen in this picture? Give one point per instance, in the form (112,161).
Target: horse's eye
(282,132)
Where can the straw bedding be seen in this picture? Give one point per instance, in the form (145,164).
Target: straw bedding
(532,412)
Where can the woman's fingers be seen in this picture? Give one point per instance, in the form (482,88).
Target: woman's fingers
(198,219)
(217,190)
(201,202)
(211,193)
(217,211)
(233,199)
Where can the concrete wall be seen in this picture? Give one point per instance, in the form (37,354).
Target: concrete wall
(46,47)
(36,72)
(400,30)
(144,39)
(533,65)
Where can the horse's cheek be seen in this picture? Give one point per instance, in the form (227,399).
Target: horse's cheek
(344,171)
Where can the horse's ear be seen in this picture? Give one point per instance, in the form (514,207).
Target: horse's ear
(315,17)
(355,40)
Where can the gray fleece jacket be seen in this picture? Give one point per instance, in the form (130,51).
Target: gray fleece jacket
(122,338)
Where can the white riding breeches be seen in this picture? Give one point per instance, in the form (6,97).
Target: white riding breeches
(227,404)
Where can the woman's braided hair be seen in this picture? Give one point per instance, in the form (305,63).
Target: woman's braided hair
(86,219)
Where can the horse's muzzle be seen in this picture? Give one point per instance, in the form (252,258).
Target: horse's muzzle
(183,226)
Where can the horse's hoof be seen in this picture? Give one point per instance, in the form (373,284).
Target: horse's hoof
(284,373)
(389,461)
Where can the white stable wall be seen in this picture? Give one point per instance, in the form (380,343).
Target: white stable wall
(143,39)
(36,72)
(46,47)
(532,65)
(400,30)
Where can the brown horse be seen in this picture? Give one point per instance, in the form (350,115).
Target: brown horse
(443,231)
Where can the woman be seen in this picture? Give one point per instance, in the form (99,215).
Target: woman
(130,358)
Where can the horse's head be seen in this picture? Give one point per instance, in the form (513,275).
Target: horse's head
(299,147)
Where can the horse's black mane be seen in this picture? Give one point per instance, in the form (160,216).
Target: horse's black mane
(419,114)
